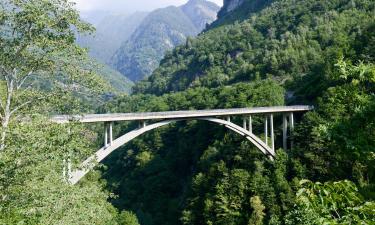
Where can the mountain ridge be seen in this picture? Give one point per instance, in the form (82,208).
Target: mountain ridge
(160,31)
(111,31)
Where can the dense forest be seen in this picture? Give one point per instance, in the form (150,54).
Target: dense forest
(264,53)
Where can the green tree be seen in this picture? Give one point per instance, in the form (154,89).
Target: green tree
(258,214)
(127,218)
(331,203)
(33,189)
(37,39)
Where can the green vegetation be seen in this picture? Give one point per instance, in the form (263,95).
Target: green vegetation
(119,83)
(41,72)
(289,40)
(285,52)
(320,52)
(331,203)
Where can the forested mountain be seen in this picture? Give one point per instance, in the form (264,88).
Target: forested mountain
(258,53)
(111,31)
(118,82)
(160,31)
(280,52)
(283,41)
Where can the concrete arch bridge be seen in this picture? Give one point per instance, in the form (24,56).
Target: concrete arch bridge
(153,120)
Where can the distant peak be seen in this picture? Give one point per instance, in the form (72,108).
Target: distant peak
(203,2)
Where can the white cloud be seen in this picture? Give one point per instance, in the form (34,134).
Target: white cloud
(128,5)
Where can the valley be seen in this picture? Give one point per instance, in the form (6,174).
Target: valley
(153,67)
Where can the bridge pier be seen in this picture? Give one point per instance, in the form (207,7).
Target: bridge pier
(108,134)
(272,133)
(288,121)
(250,124)
(142,124)
(285,132)
(291,129)
(266,129)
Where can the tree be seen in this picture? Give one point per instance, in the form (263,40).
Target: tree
(37,39)
(258,211)
(331,203)
(127,218)
(32,186)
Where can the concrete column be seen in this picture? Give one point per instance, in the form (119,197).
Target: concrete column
(272,133)
(285,132)
(244,123)
(291,124)
(266,129)
(110,133)
(250,124)
(106,135)
(228,118)
(291,121)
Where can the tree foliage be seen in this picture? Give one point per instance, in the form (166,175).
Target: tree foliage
(331,203)
(37,40)
(320,52)
(289,52)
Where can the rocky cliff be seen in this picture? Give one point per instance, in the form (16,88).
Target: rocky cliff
(230,5)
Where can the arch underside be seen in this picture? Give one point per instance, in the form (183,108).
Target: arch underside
(101,154)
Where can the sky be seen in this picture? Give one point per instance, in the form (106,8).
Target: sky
(128,6)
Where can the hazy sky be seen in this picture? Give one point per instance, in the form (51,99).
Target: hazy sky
(128,5)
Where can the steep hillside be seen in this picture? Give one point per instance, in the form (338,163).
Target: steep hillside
(308,51)
(111,31)
(200,12)
(287,41)
(229,6)
(239,10)
(118,82)
(159,32)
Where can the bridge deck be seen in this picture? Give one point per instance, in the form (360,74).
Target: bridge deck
(91,118)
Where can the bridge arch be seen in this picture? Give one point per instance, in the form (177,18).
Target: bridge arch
(75,176)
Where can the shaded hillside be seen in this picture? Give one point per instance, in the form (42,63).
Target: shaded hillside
(159,32)
(118,82)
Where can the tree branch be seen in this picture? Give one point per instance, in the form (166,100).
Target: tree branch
(20,107)
(24,79)
(2,108)
(25,104)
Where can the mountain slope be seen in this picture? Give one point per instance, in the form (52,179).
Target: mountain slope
(239,10)
(200,12)
(288,52)
(118,82)
(160,31)
(286,40)
(111,31)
